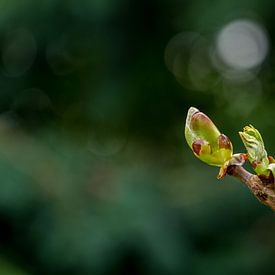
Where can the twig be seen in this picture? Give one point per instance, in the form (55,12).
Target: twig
(262,190)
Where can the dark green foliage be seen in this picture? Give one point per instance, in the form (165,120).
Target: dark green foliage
(96,177)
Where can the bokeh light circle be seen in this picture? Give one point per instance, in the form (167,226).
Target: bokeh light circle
(242,44)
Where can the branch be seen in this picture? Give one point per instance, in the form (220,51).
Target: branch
(263,191)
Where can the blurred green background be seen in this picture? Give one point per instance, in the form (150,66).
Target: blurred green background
(96,177)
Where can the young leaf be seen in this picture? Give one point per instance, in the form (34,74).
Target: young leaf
(257,154)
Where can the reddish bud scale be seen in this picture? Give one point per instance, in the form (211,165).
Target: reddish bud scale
(199,119)
(197,145)
(224,142)
(255,163)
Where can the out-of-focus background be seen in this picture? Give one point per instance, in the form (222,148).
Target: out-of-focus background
(96,177)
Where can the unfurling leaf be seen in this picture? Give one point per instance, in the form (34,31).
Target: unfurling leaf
(257,154)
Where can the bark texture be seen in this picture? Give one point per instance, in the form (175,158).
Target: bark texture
(262,189)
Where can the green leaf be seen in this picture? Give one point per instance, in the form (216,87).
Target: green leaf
(254,145)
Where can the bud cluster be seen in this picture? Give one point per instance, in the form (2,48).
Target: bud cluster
(215,148)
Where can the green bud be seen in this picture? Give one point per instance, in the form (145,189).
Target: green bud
(205,140)
(254,145)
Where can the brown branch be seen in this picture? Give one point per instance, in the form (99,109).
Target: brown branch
(262,190)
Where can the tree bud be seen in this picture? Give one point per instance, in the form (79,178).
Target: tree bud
(205,140)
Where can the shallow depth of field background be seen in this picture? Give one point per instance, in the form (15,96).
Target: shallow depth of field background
(96,177)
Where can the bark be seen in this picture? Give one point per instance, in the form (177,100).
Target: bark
(262,189)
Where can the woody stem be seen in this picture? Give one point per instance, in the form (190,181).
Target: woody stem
(265,193)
